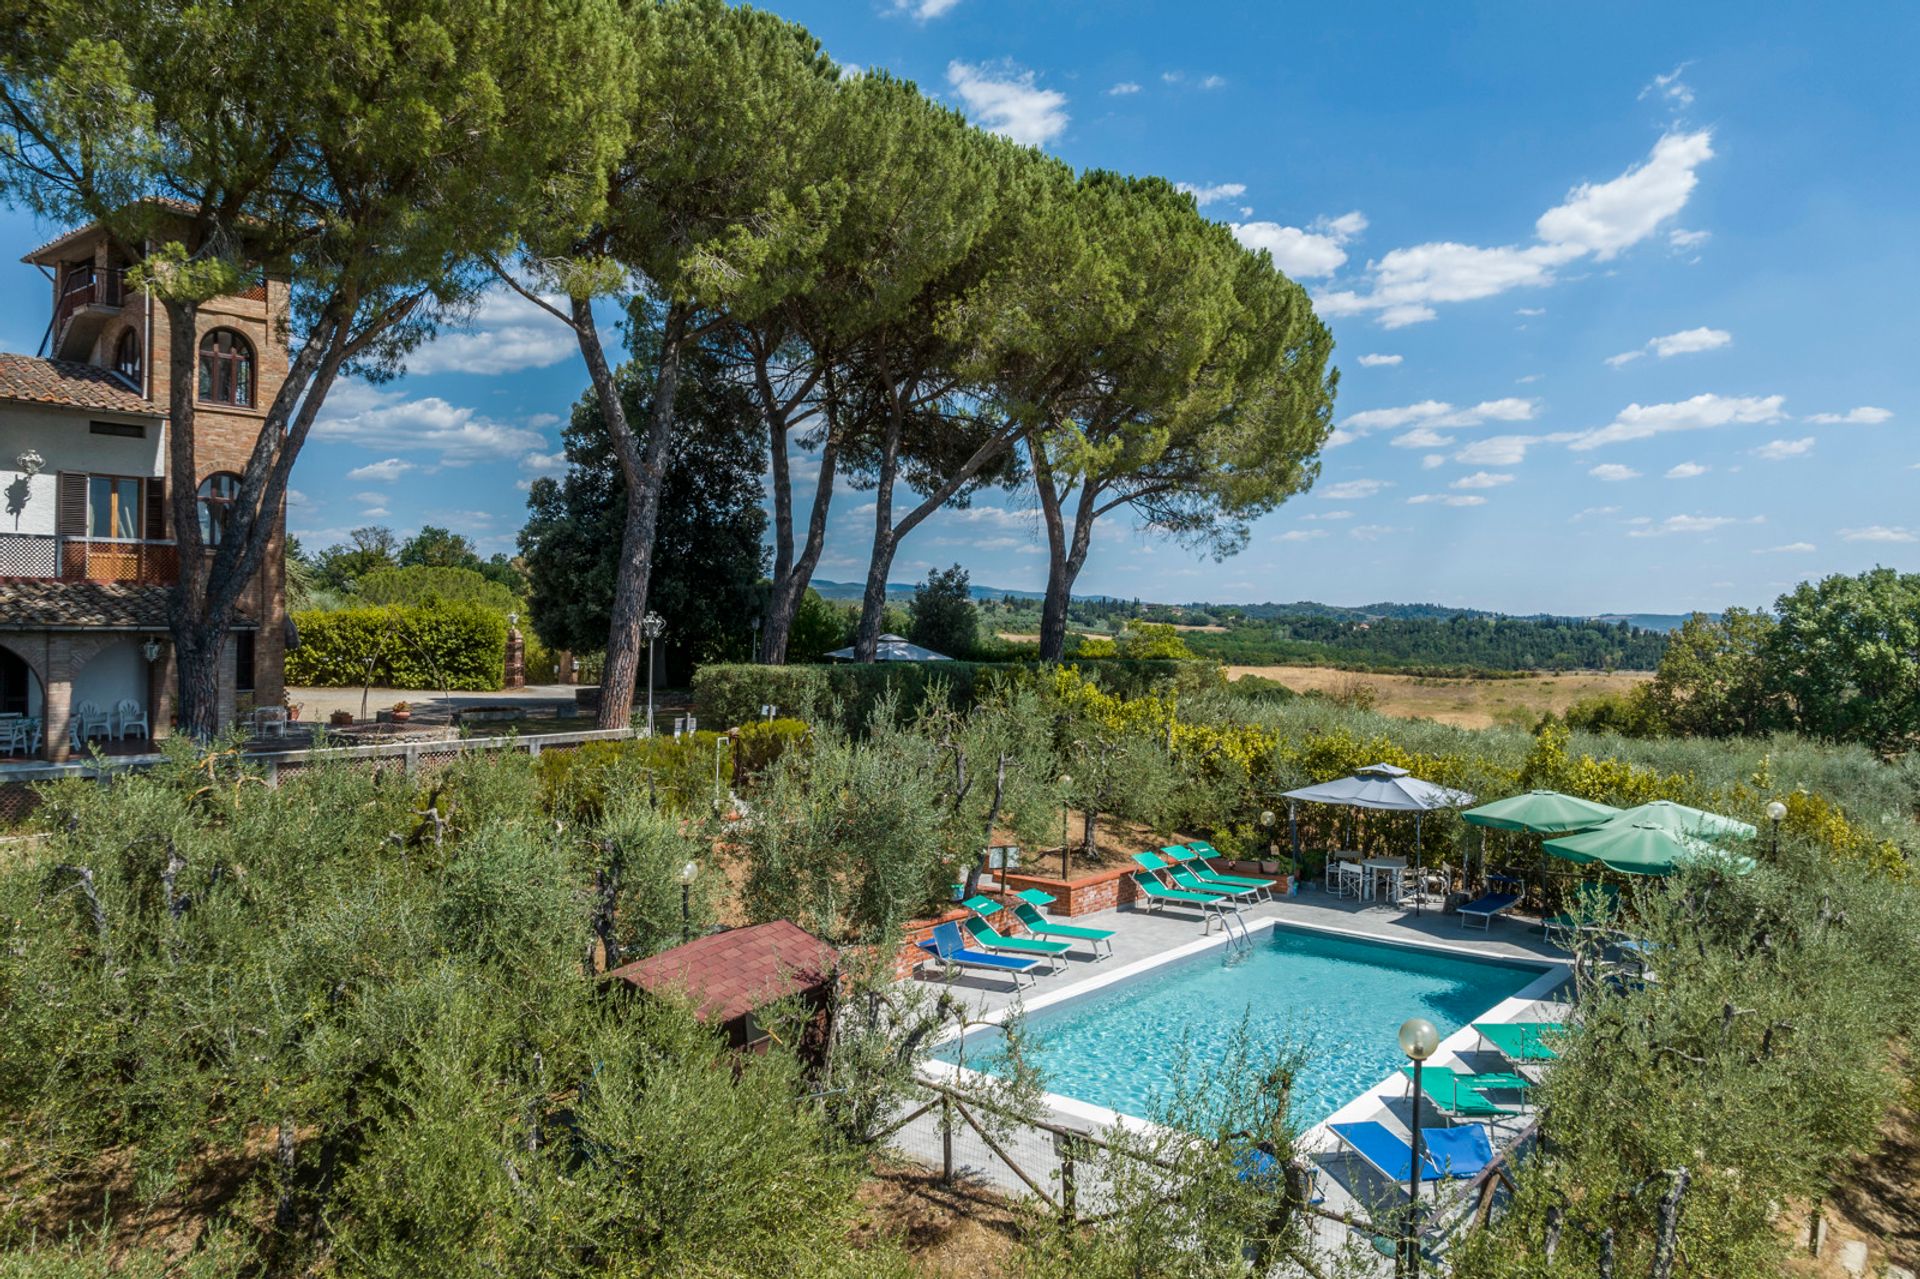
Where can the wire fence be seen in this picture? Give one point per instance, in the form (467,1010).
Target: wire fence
(20,783)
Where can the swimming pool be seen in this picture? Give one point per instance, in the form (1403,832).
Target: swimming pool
(1339,999)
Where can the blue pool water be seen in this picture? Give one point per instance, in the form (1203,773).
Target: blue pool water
(1339,1000)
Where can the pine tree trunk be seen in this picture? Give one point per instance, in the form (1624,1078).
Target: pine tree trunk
(644,465)
(873,605)
(1053,607)
(784,600)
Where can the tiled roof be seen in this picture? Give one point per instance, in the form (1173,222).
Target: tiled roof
(32,604)
(735,972)
(63,382)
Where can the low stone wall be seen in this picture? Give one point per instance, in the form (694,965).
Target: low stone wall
(1108,889)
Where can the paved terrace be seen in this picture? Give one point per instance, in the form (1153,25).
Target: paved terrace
(1144,940)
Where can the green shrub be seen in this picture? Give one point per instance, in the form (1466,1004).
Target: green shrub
(733,694)
(764,741)
(431,584)
(453,646)
(678,772)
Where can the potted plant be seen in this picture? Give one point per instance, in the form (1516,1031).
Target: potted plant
(401,712)
(293,712)
(342,718)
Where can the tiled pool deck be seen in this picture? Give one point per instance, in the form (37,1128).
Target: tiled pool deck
(1144,940)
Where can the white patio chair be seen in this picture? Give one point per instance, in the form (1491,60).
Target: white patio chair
(92,719)
(13,734)
(1348,877)
(270,721)
(129,714)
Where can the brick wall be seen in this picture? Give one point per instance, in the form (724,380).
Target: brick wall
(910,955)
(1107,889)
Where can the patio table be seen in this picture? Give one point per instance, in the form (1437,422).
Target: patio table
(1394,868)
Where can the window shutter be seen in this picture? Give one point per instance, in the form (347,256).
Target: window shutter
(156,509)
(71,518)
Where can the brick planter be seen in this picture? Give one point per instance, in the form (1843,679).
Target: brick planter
(1104,889)
(909,955)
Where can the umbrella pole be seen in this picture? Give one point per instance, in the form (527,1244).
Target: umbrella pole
(1293,828)
(1419,882)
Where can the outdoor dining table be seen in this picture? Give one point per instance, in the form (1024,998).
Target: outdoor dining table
(1394,868)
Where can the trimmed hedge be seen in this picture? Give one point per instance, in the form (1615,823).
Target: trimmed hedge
(733,693)
(453,646)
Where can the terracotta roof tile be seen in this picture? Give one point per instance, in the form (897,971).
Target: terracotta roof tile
(28,604)
(70,385)
(727,974)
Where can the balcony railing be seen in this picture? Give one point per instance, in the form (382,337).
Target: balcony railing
(88,287)
(89,559)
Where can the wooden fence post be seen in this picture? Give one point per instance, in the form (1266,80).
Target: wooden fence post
(1068,1196)
(946,1140)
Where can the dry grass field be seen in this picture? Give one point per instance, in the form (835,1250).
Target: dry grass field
(1469,703)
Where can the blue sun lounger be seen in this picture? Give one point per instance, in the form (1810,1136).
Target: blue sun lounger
(950,949)
(1460,1152)
(1484,908)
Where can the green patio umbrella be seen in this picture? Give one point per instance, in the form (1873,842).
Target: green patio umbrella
(1543,812)
(1681,820)
(1642,848)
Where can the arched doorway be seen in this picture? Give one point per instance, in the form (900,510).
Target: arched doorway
(19,690)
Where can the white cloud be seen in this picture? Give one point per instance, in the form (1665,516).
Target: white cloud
(1433,461)
(1374,361)
(1431,413)
(1642,421)
(1301,535)
(1686,524)
(1685,342)
(1681,238)
(1447,499)
(1329,515)
(1686,470)
(1781,450)
(1690,341)
(1004,99)
(385,470)
(1308,253)
(1530,310)
(1670,88)
(387,420)
(1353,490)
(1613,472)
(925,10)
(374,512)
(506,333)
(1865,415)
(541,421)
(544,463)
(1482,480)
(1879,533)
(1422,437)
(1212,194)
(296,498)
(1593,511)
(1597,220)
(1122,89)
(1213,82)
(370,498)
(1372,532)
(1791,548)
(1499,450)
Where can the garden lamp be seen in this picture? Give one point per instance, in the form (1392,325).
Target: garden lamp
(653,626)
(1419,1041)
(1776,813)
(688,873)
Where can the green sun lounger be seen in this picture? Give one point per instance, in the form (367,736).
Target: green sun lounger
(1522,1041)
(1047,930)
(991,938)
(1194,859)
(1157,895)
(1454,1098)
(1196,881)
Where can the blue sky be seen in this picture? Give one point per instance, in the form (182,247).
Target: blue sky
(1623,295)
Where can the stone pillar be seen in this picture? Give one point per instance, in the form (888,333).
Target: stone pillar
(516,672)
(229,692)
(56,704)
(161,680)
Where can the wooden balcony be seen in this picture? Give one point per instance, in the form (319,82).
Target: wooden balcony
(87,301)
(89,559)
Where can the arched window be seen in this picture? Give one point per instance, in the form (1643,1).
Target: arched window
(226,369)
(217,493)
(126,356)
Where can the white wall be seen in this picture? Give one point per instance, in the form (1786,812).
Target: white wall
(116,671)
(64,443)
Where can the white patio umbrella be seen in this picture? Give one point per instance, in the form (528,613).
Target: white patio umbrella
(893,648)
(1382,787)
